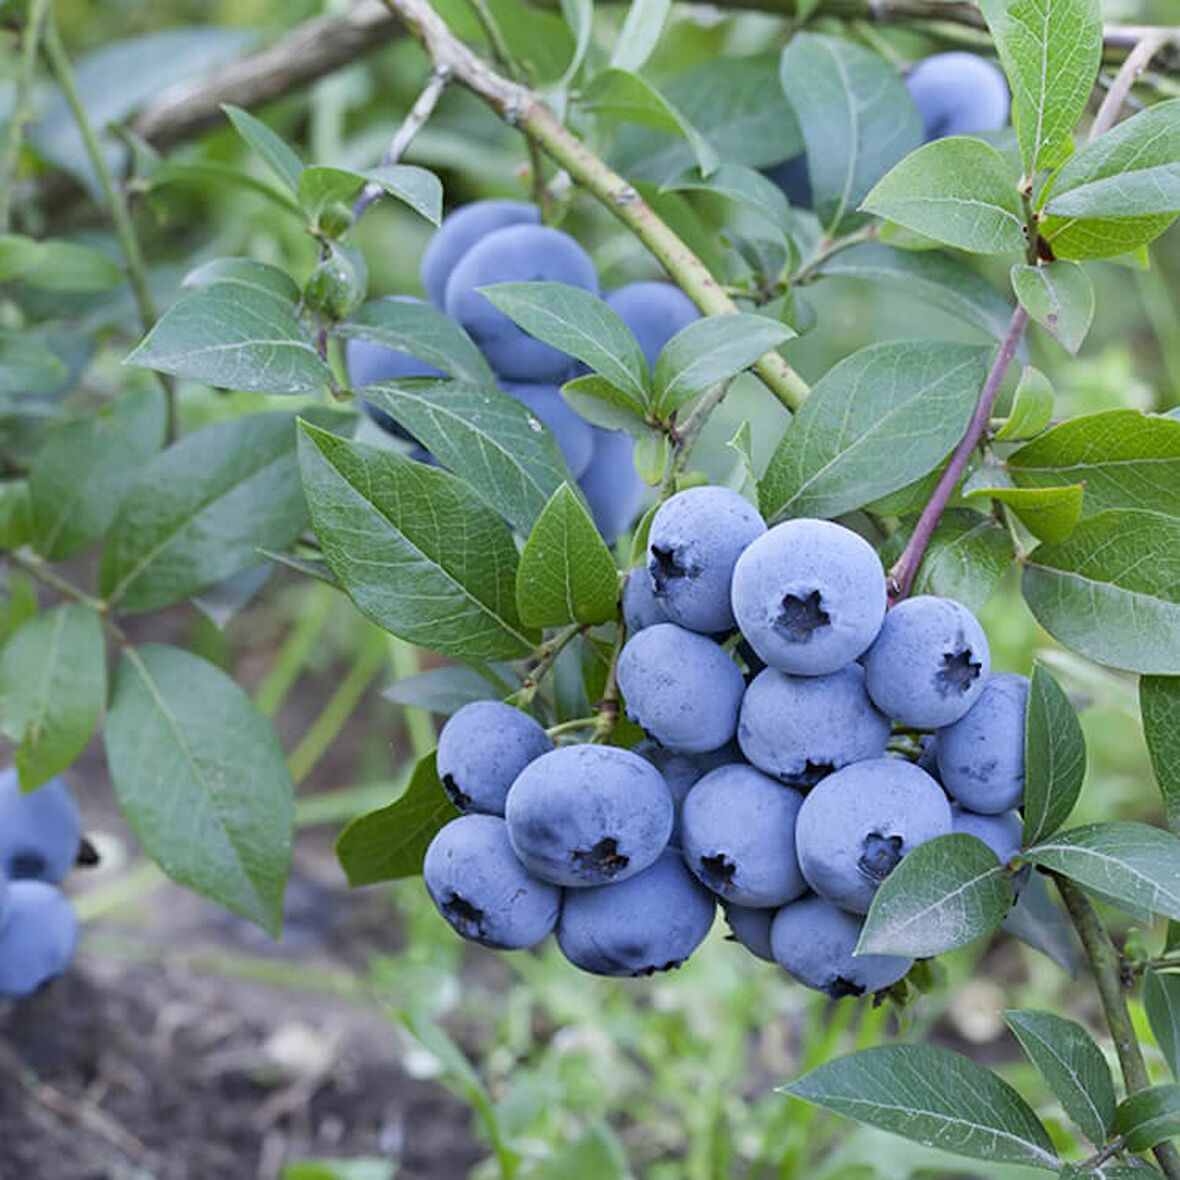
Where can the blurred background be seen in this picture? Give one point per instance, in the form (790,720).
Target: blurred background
(371,1043)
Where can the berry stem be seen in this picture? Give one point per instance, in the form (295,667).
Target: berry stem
(1152,41)
(542,663)
(523,108)
(607,707)
(901,576)
(1106,965)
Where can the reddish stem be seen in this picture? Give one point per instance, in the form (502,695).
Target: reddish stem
(901,576)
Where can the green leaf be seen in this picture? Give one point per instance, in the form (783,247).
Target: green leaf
(966,559)
(651,455)
(1150,1116)
(390,843)
(937,278)
(640,33)
(416,187)
(1081,238)
(318,185)
(414,552)
(18,254)
(225,335)
(16,514)
(935,1097)
(1036,919)
(580,324)
(28,364)
(360,1168)
(736,102)
(201,510)
(1050,50)
(566,574)
(85,467)
(711,349)
(1073,1066)
(1161,1000)
(596,1155)
(738,183)
(445,690)
(1050,514)
(1132,171)
(856,116)
(1060,297)
(201,778)
(53,683)
(277,156)
(875,422)
(944,894)
(490,440)
(958,191)
(1054,757)
(18,603)
(422,331)
(1032,407)
(579,15)
(69,266)
(1125,862)
(1159,702)
(1112,591)
(260,278)
(619,94)
(1125,458)
(606,405)
(218,177)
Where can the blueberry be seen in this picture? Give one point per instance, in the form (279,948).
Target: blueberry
(958,94)
(460,231)
(813,940)
(794,179)
(929,664)
(739,837)
(520,253)
(858,823)
(682,771)
(981,756)
(40,832)
(651,922)
(928,758)
(641,607)
(478,885)
(751,928)
(589,815)
(1003,834)
(809,596)
(654,311)
(680,688)
(38,937)
(611,484)
(801,728)
(695,541)
(481,750)
(574,435)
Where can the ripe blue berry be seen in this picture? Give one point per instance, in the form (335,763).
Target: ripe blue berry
(478,885)
(654,311)
(813,940)
(738,837)
(801,728)
(40,832)
(574,435)
(641,607)
(958,94)
(651,922)
(695,541)
(588,815)
(611,484)
(981,756)
(855,827)
(809,596)
(750,928)
(681,688)
(929,664)
(38,937)
(1003,834)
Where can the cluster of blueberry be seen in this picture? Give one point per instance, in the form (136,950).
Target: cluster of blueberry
(501,241)
(40,840)
(955,93)
(801,740)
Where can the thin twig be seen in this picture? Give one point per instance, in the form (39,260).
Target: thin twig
(1104,962)
(523,108)
(607,707)
(37,568)
(422,109)
(1137,61)
(829,248)
(901,576)
(21,109)
(686,435)
(116,201)
(542,663)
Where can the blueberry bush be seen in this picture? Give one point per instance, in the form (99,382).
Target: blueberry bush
(678,675)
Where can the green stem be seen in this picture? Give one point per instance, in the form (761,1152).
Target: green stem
(685,436)
(543,663)
(21,109)
(37,568)
(578,723)
(327,726)
(315,608)
(1107,967)
(59,63)
(829,248)
(608,707)
(403,658)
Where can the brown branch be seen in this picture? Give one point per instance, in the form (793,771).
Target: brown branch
(1137,61)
